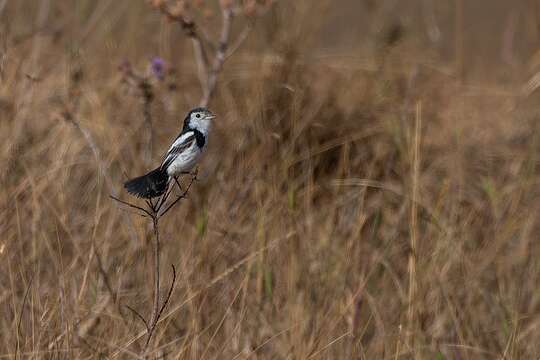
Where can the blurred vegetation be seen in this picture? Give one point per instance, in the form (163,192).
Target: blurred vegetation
(371,188)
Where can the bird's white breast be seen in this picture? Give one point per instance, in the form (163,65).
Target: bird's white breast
(185,161)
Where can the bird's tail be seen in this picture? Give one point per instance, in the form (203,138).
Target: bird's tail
(150,185)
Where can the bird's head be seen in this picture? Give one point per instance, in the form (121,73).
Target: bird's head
(200,119)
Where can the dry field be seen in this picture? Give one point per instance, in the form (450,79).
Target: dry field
(371,190)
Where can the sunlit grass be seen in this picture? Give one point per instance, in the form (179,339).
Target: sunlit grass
(319,204)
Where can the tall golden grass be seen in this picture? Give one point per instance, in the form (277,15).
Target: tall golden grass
(370,191)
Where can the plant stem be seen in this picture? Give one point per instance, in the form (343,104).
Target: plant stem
(155,310)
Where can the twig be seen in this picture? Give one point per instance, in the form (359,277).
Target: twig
(131,205)
(169,294)
(150,204)
(239,40)
(136,313)
(177,183)
(164,198)
(220,57)
(155,311)
(181,196)
(201,61)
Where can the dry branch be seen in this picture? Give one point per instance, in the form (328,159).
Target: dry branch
(155,211)
(209,70)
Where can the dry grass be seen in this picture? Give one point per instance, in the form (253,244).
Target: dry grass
(302,239)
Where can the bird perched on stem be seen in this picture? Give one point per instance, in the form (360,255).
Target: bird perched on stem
(184,153)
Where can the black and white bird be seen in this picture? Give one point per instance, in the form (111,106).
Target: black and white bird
(184,153)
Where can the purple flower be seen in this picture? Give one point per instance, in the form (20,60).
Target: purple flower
(157,66)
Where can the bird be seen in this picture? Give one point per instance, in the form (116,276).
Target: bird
(182,156)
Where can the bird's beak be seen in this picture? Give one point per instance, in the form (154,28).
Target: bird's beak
(210,116)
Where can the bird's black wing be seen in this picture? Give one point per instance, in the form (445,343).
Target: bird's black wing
(183,142)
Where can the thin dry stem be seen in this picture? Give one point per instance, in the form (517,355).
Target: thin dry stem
(155,213)
(413,282)
(227,15)
(156,305)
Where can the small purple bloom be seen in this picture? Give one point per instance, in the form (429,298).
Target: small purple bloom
(158,67)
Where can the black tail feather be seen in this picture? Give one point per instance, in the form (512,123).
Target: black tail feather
(148,186)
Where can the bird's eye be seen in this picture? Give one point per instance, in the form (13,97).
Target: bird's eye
(198,116)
